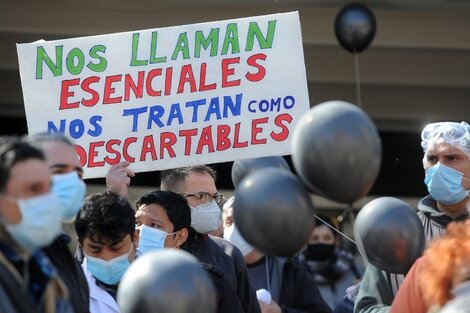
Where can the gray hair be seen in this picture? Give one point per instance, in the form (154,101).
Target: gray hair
(171,180)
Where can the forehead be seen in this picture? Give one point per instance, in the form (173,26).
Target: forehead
(196,182)
(153,210)
(445,148)
(322,231)
(60,153)
(28,171)
(89,240)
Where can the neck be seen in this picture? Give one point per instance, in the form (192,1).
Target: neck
(253,257)
(454,210)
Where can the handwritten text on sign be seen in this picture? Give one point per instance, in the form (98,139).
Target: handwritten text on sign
(170,97)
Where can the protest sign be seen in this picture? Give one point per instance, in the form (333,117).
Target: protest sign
(170,97)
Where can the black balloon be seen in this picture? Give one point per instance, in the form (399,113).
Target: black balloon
(336,151)
(390,234)
(166,281)
(273,211)
(355,27)
(242,168)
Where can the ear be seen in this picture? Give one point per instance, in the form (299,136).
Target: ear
(181,237)
(136,237)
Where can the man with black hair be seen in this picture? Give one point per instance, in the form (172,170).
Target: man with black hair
(30,219)
(105,227)
(164,221)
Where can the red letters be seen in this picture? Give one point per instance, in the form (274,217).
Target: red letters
(284,133)
(65,94)
(255,77)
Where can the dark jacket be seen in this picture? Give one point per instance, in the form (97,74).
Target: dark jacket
(30,285)
(70,271)
(383,285)
(237,290)
(294,288)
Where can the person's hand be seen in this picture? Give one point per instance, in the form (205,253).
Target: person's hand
(118,178)
(273,307)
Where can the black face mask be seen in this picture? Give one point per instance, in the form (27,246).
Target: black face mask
(320,252)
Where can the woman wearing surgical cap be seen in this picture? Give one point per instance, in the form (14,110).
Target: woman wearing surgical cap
(446,162)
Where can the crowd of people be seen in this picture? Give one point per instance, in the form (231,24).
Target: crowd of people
(42,187)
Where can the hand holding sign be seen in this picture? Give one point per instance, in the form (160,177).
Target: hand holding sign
(118,178)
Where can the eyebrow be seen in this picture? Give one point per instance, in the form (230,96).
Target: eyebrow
(62,165)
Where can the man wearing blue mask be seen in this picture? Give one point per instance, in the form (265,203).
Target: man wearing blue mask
(446,161)
(105,227)
(30,219)
(68,186)
(164,219)
(197,184)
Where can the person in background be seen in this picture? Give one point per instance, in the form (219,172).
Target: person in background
(332,267)
(197,185)
(68,185)
(227,212)
(106,233)
(446,162)
(164,219)
(442,273)
(30,219)
(283,285)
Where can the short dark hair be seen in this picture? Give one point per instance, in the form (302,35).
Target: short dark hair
(105,217)
(13,150)
(173,179)
(175,205)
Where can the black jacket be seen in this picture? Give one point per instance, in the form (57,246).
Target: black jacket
(236,293)
(31,284)
(70,272)
(294,288)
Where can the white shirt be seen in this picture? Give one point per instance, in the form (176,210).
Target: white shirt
(100,300)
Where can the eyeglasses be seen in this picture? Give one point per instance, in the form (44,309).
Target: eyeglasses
(454,133)
(205,196)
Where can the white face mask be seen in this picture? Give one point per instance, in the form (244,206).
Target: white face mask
(205,218)
(71,192)
(41,221)
(232,235)
(152,239)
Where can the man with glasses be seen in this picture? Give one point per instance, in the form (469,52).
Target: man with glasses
(446,161)
(197,184)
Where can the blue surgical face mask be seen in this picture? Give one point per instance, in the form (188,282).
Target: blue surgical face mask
(109,272)
(152,239)
(71,192)
(445,184)
(205,218)
(41,221)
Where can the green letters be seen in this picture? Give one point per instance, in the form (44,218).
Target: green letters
(212,39)
(102,64)
(231,38)
(264,42)
(181,45)
(153,50)
(42,56)
(135,46)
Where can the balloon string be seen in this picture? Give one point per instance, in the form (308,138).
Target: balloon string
(336,230)
(358,80)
